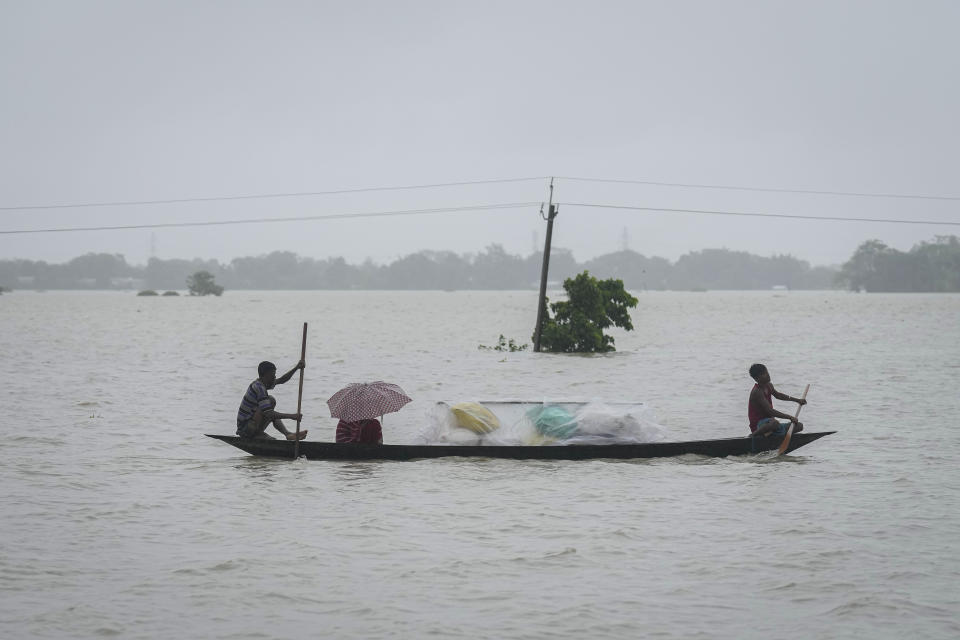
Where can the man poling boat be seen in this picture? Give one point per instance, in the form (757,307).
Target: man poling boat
(258,410)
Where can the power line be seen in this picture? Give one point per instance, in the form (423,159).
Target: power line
(333,216)
(468,209)
(262,196)
(857,194)
(304,194)
(756,215)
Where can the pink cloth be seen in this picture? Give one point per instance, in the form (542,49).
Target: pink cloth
(359,432)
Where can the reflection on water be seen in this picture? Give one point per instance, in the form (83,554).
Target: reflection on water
(349,471)
(264,469)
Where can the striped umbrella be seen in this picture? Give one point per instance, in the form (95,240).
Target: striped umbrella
(366,400)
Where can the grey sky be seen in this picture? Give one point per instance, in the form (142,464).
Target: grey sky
(116,101)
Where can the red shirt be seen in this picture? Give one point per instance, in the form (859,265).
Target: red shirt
(753,409)
(359,432)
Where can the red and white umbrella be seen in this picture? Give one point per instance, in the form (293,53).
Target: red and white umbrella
(366,400)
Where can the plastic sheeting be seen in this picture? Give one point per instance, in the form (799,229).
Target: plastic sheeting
(474,417)
(541,423)
(552,421)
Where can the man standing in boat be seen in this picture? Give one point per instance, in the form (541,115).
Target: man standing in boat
(763,417)
(258,410)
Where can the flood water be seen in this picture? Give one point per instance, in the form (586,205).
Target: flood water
(121,519)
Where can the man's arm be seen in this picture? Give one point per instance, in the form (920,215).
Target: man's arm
(289,374)
(769,412)
(272,415)
(782,396)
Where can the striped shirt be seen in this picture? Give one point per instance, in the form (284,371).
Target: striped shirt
(255,398)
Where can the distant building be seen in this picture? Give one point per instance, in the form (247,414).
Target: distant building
(126,283)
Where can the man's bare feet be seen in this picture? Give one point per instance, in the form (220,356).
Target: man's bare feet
(293,436)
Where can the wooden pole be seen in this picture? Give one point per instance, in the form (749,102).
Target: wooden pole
(303,357)
(542,300)
(786,438)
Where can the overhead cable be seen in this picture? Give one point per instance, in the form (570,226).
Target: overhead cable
(475,208)
(757,215)
(332,216)
(263,196)
(304,194)
(857,194)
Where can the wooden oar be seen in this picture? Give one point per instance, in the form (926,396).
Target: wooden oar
(303,357)
(786,439)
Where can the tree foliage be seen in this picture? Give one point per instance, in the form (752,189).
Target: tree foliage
(503,344)
(592,305)
(171,274)
(201,284)
(929,266)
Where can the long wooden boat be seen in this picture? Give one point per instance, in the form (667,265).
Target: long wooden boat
(332,451)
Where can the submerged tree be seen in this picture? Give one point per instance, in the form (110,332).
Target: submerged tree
(201,284)
(592,305)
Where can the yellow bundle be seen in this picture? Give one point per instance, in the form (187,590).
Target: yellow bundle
(475,417)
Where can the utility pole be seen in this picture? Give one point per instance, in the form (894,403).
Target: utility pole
(542,301)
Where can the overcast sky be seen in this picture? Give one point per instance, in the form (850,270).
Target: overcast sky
(130,101)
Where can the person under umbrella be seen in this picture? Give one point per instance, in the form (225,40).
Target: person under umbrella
(359,404)
(359,432)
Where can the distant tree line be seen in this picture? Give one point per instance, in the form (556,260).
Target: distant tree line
(492,268)
(929,266)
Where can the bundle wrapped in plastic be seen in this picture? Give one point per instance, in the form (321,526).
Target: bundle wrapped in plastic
(475,417)
(540,423)
(552,421)
(600,423)
(463,423)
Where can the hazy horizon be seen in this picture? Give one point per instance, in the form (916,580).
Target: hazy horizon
(111,101)
(388,261)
